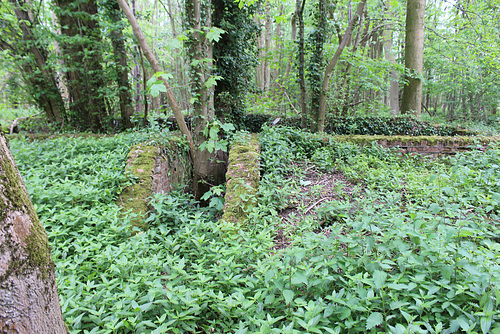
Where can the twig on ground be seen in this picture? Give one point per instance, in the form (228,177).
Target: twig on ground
(316,203)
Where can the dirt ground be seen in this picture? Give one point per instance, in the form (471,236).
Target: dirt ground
(316,188)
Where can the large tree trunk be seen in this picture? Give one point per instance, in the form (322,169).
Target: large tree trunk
(121,64)
(414,57)
(316,62)
(40,76)
(28,292)
(205,166)
(85,77)
(333,62)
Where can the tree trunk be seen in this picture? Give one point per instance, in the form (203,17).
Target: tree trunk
(260,71)
(302,83)
(42,78)
(267,46)
(141,40)
(205,167)
(121,65)
(85,76)
(393,75)
(333,62)
(277,54)
(316,62)
(414,57)
(28,292)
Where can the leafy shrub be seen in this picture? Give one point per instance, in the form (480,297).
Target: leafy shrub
(366,125)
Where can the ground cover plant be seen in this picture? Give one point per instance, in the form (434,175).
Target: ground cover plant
(413,248)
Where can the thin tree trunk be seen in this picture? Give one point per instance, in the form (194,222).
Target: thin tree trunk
(156,67)
(414,57)
(277,53)
(289,63)
(267,46)
(260,72)
(136,73)
(333,62)
(393,75)
(302,83)
(28,292)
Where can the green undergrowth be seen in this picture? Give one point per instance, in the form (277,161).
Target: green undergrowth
(414,250)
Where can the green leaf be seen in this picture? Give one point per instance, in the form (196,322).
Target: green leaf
(379,278)
(486,324)
(228,127)
(214,34)
(157,88)
(299,278)
(374,320)
(346,312)
(299,255)
(288,294)
(269,275)
(212,81)
(176,43)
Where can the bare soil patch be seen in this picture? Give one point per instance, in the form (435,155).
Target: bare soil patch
(316,188)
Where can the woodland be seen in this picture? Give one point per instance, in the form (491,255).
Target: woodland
(335,236)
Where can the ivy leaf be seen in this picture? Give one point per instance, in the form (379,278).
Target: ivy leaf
(156,88)
(212,81)
(227,127)
(214,34)
(374,320)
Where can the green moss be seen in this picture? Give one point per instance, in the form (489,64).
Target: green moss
(38,248)
(431,140)
(16,198)
(140,162)
(242,177)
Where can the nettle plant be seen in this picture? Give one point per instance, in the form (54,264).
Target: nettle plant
(420,255)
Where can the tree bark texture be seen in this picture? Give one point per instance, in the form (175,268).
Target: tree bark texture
(85,76)
(121,64)
(333,62)
(318,38)
(267,46)
(38,74)
(300,4)
(393,75)
(28,292)
(414,57)
(206,169)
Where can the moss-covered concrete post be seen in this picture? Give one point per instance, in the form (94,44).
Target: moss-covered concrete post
(243,175)
(28,293)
